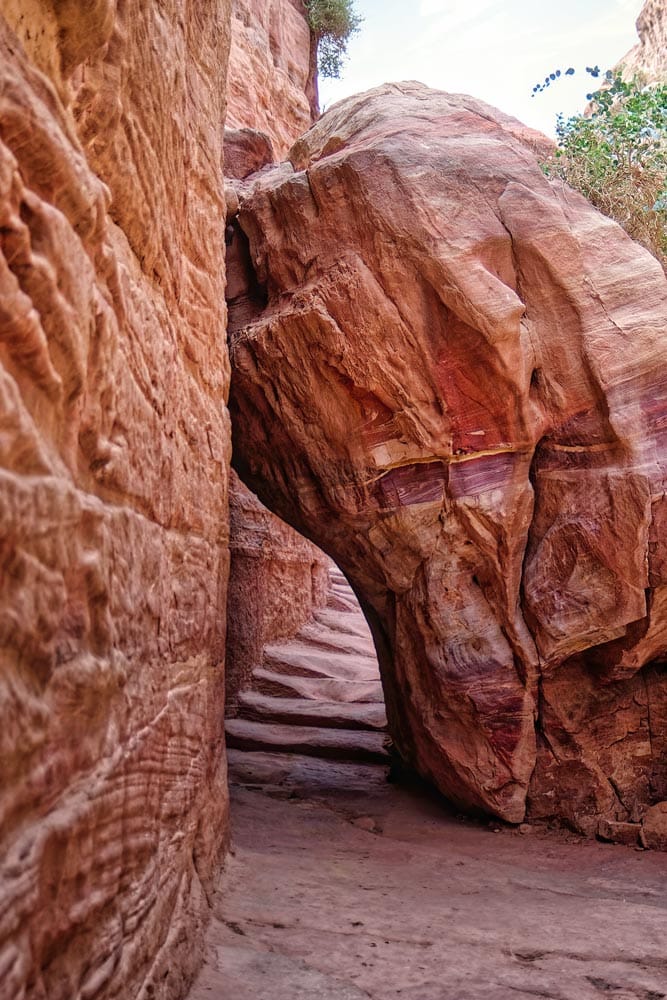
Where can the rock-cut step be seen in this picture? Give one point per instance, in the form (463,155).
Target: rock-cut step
(314,741)
(298,712)
(318,694)
(338,640)
(299,658)
(352,624)
(329,689)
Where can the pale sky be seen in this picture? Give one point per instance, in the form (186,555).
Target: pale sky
(493,50)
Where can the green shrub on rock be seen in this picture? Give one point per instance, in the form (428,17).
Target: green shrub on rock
(616,155)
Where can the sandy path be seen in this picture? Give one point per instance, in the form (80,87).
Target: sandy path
(344,887)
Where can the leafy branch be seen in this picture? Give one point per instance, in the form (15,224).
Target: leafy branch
(332,23)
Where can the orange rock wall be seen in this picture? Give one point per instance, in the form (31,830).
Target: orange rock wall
(269,69)
(114,451)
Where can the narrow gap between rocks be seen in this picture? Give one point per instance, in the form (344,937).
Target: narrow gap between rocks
(317,692)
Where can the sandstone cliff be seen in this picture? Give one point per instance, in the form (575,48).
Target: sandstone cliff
(114,449)
(649,56)
(465,407)
(277,577)
(462,401)
(269,67)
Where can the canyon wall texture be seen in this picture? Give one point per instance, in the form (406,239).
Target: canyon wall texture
(649,56)
(114,449)
(276,576)
(269,70)
(449,372)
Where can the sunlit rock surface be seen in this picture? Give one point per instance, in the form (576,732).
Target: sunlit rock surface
(114,447)
(649,56)
(449,372)
(269,70)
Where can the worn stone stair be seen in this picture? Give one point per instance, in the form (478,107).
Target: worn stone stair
(341,597)
(339,744)
(305,712)
(303,660)
(316,688)
(318,694)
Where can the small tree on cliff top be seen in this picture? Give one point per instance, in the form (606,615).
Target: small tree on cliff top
(332,23)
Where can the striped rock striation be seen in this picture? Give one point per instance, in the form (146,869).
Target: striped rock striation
(448,371)
(114,455)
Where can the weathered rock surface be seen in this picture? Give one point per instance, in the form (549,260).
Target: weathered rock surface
(246,152)
(654,827)
(269,68)
(114,447)
(649,56)
(448,372)
(277,578)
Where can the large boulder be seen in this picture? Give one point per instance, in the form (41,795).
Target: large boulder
(448,371)
(654,827)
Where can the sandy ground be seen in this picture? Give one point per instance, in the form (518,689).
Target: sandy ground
(342,886)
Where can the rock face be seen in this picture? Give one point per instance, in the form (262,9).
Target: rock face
(276,579)
(269,67)
(114,448)
(448,372)
(649,56)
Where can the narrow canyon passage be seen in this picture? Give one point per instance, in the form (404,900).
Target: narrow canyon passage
(342,886)
(433,362)
(317,692)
